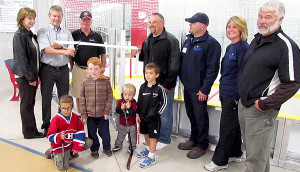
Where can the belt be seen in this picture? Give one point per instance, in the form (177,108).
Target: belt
(82,67)
(54,67)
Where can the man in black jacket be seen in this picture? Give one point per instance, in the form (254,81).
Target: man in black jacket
(162,48)
(271,75)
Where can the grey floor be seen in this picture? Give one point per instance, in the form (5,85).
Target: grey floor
(168,159)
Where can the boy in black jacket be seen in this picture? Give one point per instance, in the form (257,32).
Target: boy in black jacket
(151,103)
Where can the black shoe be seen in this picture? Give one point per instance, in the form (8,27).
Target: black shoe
(116,148)
(37,135)
(95,155)
(108,152)
(45,132)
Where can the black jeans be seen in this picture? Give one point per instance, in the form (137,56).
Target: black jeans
(27,102)
(102,125)
(230,139)
(197,112)
(49,76)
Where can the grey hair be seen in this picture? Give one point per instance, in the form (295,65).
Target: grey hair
(161,17)
(55,8)
(274,5)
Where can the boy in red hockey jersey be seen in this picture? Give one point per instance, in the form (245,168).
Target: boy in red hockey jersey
(67,130)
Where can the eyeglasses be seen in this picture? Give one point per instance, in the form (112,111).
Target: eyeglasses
(66,109)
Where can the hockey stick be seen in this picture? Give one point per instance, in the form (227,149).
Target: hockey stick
(129,136)
(63,155)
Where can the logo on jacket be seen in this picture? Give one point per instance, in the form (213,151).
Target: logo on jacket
(197,48)
(91,40)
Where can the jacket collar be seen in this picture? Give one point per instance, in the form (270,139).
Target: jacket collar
(22,28)
(269,38)
(198,39)
(163,35)
(91,32)
(54,28)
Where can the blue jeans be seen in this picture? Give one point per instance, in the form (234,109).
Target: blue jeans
(166,120)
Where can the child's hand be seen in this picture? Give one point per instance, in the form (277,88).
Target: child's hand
(138,119)
(84,120)
(75,152)
(106,117)
(63,135)
(123,106)
(128,104)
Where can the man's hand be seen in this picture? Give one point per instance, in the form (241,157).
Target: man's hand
(69,51)
(256,105)
(33,83)
(56,45)
(166,90)
(135,51)
(201,96)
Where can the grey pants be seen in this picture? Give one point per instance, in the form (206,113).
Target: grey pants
(257,131)
(62,162)
(122,132)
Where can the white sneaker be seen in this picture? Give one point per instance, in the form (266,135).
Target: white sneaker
(160,146)
(213,167)
(235,159)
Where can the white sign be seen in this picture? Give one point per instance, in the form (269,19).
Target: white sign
(8,13)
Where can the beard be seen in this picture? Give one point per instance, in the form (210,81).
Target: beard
(269,29)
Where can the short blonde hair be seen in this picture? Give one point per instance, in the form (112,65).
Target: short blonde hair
(95,61)
(66,99)
(130,88)
(241,24)
(23,12)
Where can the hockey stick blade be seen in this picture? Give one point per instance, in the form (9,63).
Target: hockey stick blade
(129,162)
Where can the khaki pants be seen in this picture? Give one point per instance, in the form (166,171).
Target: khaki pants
(62,162)
(78,75)
(257,131)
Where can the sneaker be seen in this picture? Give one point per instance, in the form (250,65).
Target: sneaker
(188,145)
(235,159)
(48,154)
(108,152)
(160,146)
(95,155)
(195,153)
(213,167)
(116,148)
(143,153)
(147,162)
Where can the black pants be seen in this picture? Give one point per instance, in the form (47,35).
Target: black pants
(49,76)
(27,102)
(197,112)
(230,141)
(102,125)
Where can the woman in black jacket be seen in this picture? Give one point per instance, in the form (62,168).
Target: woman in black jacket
(25,68)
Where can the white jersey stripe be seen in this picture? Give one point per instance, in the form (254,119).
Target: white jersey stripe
(165,100)
(290,54)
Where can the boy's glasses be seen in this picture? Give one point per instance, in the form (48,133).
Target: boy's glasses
(66,109)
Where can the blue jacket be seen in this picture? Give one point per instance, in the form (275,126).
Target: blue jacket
(200,61)
(231,67)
